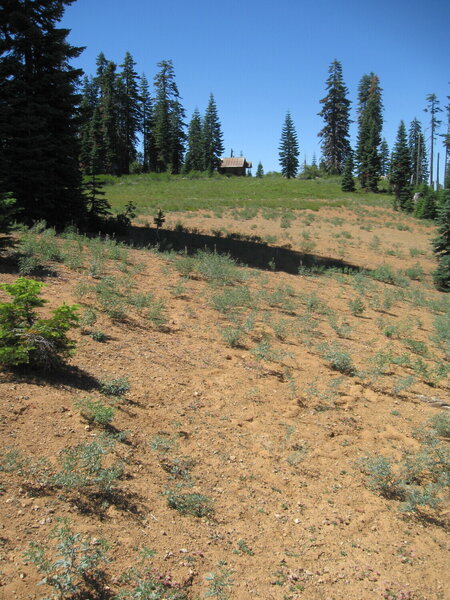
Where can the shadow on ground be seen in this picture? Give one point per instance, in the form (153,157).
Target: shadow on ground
(251,250)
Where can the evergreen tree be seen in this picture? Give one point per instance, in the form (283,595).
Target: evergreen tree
(146,113)
(417,149)
(370,124)
(335,113)
(177,137)
(385,158)
(168,128)
(400,177)
(129,117)
(441,246)
(194,157)
(88,106)
(426,206)
(38,102)
(212,137)
(259,170)
(433,108)
(108,103)
(348,183)
(288,148)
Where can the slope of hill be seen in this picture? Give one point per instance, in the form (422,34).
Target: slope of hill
(275,432)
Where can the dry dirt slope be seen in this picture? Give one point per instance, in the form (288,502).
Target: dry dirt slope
(261,391)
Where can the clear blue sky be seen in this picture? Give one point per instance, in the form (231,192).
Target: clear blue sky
(262,58)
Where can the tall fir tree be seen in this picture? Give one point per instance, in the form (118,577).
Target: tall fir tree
(441,246)
(88,105)
(348,183)
(433,108)
(168,129)
(38,101)
(418,153)
(259,170)
(400,176)
(335,112)
(146,128)
(370,125)
(288,148)
(194,160)
(108,104)
(212,137)
(177,137)
(385,158)
(129,114)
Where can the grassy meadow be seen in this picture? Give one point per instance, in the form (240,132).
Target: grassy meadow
(178,192)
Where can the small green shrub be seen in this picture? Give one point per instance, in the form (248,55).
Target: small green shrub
(339,359)
(115,387)
(75,567)
(220,583)
(440,423)
(386,274)
(357,307)
(95,411)
(196,505)
(26,339)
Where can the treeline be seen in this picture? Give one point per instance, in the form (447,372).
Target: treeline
(405,167)
(119,115)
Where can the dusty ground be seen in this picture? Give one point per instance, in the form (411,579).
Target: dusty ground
(267,438)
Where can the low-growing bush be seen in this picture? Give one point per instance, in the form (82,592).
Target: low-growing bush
(196,505)
(95,412)
(27,339)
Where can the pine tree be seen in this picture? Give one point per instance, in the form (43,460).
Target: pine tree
(400,176)
(177,137)
(146,113)
(288,148)
(433,108)
(212,137)
(385,158)
(168,128)
(38,101)
(88,106)
(335,113)
(348,183)
(129,115)
(417,149)
(194,157)
(441,246)
(259,170)
(108,103)
(370,124)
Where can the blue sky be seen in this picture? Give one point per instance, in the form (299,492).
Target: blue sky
(262,58)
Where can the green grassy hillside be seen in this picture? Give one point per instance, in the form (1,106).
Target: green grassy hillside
(176,192)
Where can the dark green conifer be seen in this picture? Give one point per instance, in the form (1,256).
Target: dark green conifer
(212,137)
(288,148)
(441,246)
(400,174)
(385,158)
(259,170)
(195,154)
(129,114)
(335,113)
(370,124)
(168,128)
(348,183)
(38,101)
(146,112)
(418,152)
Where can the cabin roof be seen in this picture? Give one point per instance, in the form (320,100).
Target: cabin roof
(234,162)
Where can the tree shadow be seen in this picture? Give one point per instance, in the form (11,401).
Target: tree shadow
(249,250)
(65,376)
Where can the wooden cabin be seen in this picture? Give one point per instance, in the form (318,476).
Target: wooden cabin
(234,166)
